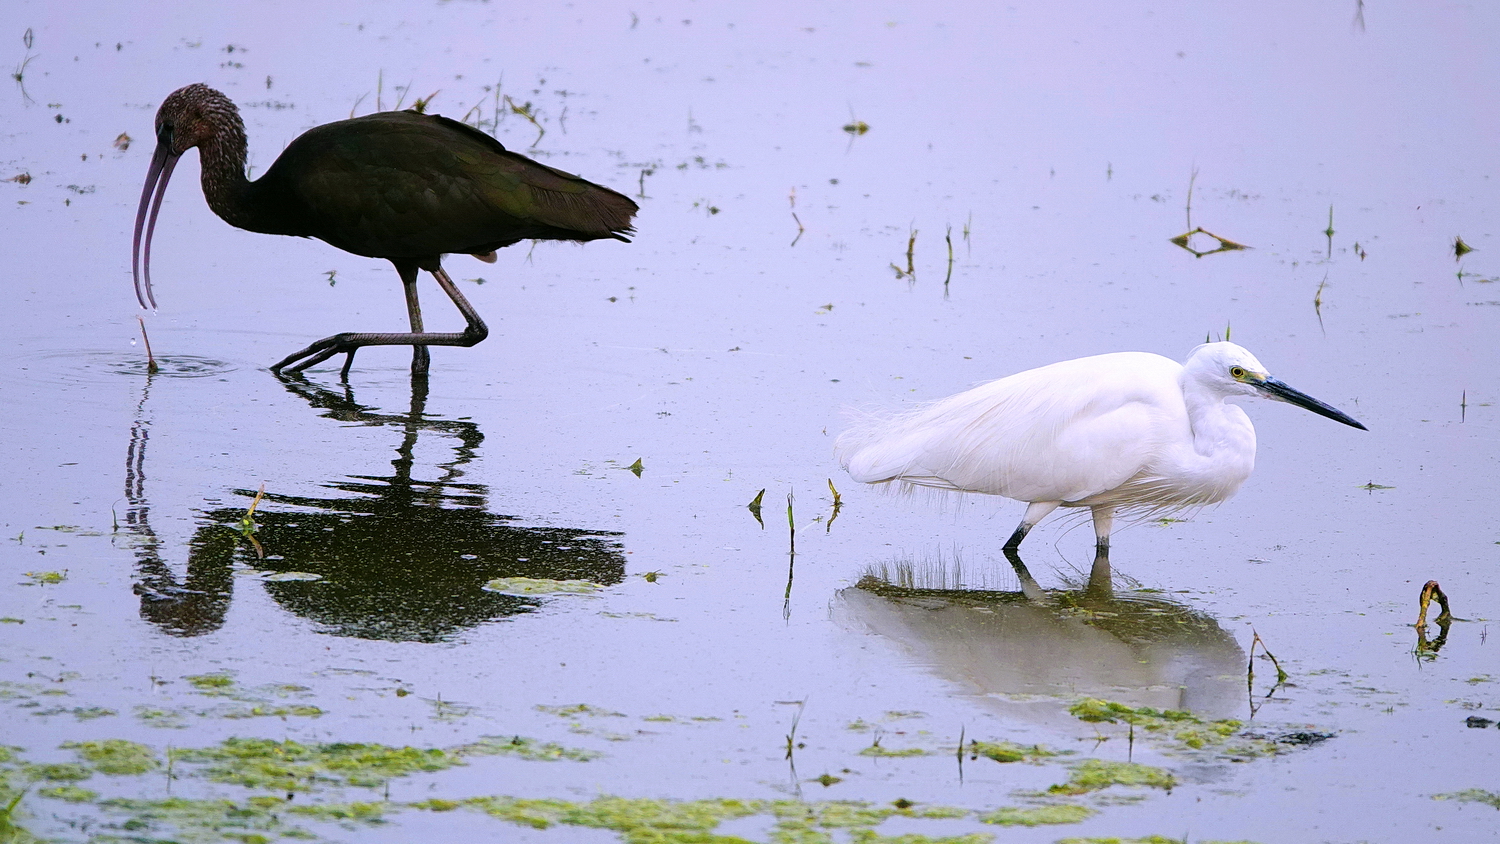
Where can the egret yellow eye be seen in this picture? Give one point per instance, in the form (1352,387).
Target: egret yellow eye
(1237,372)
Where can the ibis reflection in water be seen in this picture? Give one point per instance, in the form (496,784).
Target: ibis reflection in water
(397,557)
(399,185)
(1130,432)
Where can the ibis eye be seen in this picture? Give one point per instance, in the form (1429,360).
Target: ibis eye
(1237,371)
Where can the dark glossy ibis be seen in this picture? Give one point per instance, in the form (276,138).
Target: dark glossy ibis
(398,185)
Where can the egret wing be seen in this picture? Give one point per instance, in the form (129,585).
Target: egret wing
(1064,432)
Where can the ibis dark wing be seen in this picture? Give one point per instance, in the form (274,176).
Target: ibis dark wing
(407,185)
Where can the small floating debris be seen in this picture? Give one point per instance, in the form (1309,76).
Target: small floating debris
(1225,244)
(754,507)
(289,576)
(540,586)
(1431,590)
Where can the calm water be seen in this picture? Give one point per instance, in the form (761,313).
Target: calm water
(1054,146)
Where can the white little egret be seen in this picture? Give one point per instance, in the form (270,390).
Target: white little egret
(1129,431)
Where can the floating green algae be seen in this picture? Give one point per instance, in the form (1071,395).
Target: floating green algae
(870,836)
(1472,795)
(265,711)
(196,820)
(525,748)
(882,751)
(1008,751)
(293,766)
(1057,813)
(68,794)
(165,718)
(58,772)
(642,821)
(639,821)
(1184,729)
(115,756)
(362,812)
(211,682)
(1097,774)
(647,821)
(536,813)
(579,709)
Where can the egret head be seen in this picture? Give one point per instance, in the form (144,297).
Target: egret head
(188,117)
(1231,370)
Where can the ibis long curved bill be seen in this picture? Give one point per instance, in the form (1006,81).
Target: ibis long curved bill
(162,162)
(1272,388)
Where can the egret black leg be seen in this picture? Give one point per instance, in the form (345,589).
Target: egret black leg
(1104,520)
(474,332)
(1035,512)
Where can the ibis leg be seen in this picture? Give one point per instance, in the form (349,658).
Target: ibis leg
(420,359)
(348,342)
(1035,512)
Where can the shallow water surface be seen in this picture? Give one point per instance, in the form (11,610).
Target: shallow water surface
(234,606)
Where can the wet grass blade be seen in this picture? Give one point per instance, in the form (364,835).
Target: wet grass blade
(949,277)
(1318,302)
(791,525)
(1191,179)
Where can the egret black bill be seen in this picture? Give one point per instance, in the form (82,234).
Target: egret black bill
(1280,391)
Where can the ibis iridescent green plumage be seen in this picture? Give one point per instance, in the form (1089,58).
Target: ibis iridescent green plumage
(399,185)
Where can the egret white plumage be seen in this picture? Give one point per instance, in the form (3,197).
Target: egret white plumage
(1129,432)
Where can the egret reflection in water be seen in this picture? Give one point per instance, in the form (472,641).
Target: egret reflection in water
(396,557)
(1027,649)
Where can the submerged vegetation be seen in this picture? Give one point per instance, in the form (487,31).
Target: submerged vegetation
(260,789)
